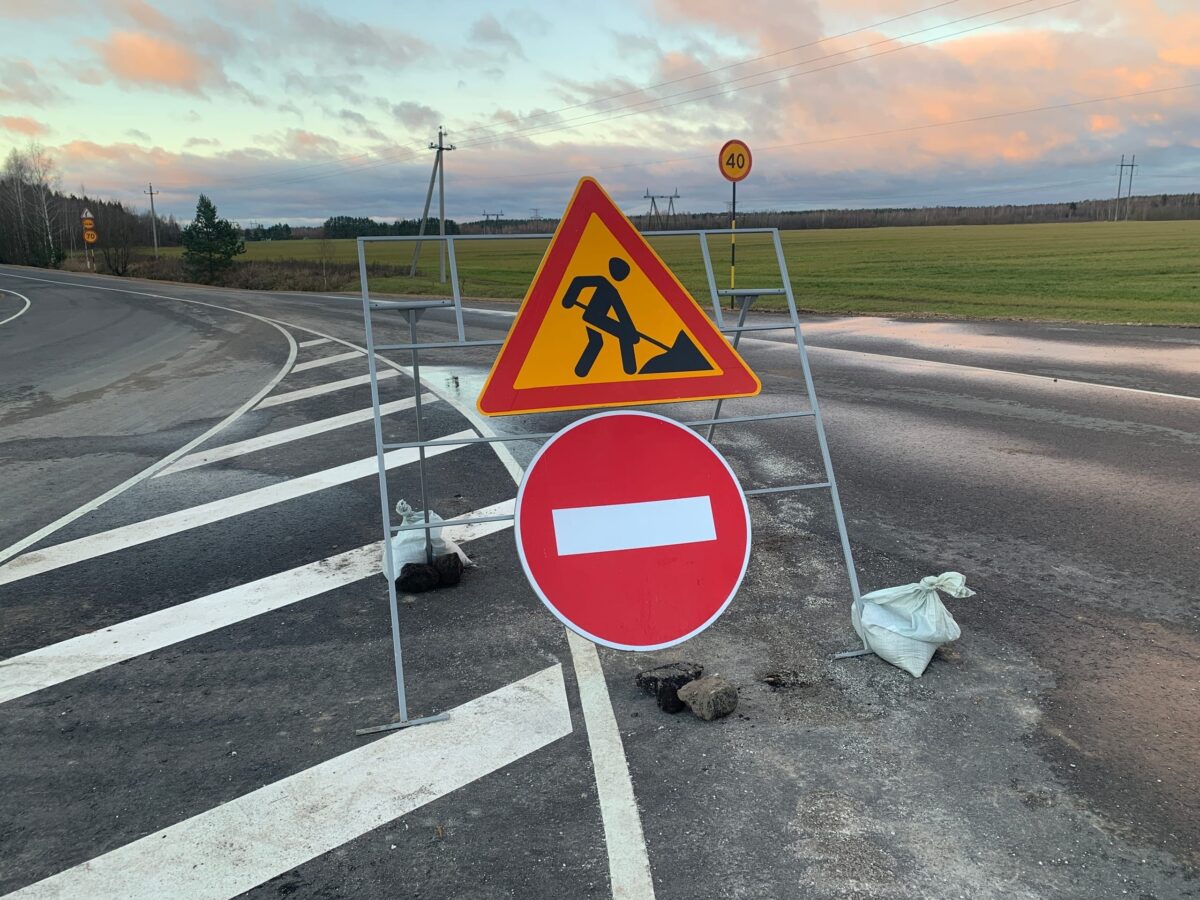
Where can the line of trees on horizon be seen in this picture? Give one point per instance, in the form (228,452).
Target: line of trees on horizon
(1142,208)
(40,224)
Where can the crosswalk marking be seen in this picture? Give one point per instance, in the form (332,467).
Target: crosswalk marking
(275,438)
(48,666)
(234,847)
(325,361)
(305,393)
(37,562)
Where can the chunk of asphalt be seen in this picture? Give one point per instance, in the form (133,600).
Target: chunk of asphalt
(449,568)
(710,698)
(664,682)
(416,578)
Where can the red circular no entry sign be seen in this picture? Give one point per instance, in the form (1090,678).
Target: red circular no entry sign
(633,530)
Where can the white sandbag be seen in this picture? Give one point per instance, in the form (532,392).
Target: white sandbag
(409,546)
(905,625)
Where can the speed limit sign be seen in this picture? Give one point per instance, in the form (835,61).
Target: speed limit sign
(735,160)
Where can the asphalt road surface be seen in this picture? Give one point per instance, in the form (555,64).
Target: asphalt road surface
(193,623)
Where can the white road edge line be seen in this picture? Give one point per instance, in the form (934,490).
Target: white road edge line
(19,312)
(38,562)
(287,435)
(234,847)
(325,361)
(304,345)
(628,859)
(305,393)
(62,521)
(56,663)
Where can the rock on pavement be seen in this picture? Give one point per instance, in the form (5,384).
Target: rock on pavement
(710,698)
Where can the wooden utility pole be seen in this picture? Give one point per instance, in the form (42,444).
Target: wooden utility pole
(1129,190)
(439,175)
(153,217)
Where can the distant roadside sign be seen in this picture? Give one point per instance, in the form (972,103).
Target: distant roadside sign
(89,236)
(89,224)
(735,160)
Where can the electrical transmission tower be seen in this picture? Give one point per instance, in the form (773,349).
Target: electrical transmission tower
(438,175)
(487,216)
(661,218)
(1131,165)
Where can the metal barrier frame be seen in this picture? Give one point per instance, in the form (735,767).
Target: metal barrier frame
(412,308)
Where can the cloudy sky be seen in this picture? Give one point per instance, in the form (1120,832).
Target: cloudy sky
(297,111)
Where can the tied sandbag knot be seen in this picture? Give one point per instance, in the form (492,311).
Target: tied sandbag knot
(905,625)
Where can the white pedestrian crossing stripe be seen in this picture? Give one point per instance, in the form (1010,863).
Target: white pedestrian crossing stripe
(56,663)
(299,432)
(247,841)
(320,389)
(37,562)
(326,361)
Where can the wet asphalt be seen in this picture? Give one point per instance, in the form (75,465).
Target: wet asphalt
(1049,753)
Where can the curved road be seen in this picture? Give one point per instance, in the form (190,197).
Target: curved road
(1050,752)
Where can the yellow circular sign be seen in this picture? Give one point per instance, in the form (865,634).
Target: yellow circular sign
(735,160)
(89,237)
(88,224)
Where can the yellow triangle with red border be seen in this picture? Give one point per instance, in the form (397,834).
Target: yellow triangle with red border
(606,323)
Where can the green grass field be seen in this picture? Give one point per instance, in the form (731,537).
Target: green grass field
(1146,272)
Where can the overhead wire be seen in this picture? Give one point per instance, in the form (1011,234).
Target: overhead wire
(629,111)
(869,134)
(727,87)
(406,153)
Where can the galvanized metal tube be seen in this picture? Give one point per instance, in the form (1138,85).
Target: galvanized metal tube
(428,526)
(458,314)
(416,375)
(847,554)
(746,302)
(755,492)
(389,566)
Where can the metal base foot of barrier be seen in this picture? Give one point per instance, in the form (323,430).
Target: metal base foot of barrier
(407,723)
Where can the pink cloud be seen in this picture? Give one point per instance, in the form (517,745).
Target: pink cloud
(23,125)
(134,57)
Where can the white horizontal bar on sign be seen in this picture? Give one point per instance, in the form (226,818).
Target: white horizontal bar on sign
(56,663)
(633,526)
(238,845)
(275,438)
(47,559)
(305,393)
(326,361)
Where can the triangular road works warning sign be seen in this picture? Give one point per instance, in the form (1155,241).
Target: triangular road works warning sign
(606,323)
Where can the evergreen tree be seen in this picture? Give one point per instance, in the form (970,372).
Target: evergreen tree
(209,243)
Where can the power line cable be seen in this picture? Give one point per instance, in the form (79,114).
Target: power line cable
(870,134)
(729,90)
(600,100)
(725,90)
(727,86)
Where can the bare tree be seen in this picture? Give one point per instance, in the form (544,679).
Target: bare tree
(45,181)
(16,175)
